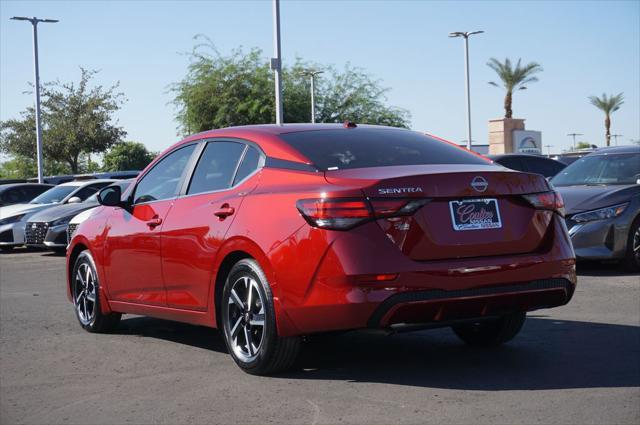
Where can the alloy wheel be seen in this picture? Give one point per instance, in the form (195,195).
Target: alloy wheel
(84,296)
(246,318)
(636,246)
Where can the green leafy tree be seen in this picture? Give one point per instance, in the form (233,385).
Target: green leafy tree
(608,105)
(77,119)
(20,167)
(127,156)
(583,145)
(513,78)
(237,89)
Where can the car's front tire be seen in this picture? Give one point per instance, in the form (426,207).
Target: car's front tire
(491,332)
(632,259)
(249,323)
(85,289)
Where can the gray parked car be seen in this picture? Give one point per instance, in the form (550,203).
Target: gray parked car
(48,228)
(601,192)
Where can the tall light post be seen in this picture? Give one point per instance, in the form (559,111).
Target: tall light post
(312,74)
(574,138)
(276,62)
(34,22)
(466,36)
(615,136)
(548,150)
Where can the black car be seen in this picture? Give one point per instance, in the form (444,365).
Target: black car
(529,163)
(21,193)
(52,223)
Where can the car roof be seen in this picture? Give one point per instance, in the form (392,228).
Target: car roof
(266,135)
(517,155)
(11,185)
(617,149)
(79,183)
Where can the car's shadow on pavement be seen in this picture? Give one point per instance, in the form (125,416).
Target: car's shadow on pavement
(548,354)
(596,268)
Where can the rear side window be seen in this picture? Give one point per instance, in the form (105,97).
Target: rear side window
(163,181)
(547,168)
(369,147)
(514,163)
(12,196)
(249,164)
(216,167)
(33,191)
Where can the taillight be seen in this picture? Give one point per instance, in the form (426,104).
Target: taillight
(546,201)
(345,213)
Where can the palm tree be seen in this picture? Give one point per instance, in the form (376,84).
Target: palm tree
(608,105)
(513,78)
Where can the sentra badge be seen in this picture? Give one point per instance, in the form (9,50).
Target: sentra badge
(397,190)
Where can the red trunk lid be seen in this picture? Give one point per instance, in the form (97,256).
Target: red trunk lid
(430,233)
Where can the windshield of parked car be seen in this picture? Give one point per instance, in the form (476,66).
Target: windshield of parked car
(601,170)
(54,195)
(373,147)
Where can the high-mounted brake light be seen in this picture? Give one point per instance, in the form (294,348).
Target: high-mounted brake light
(345,213)
(546,201)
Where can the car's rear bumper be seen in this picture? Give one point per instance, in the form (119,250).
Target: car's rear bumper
(426,292)
(437,306)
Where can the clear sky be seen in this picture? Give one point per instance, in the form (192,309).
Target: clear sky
(585,48)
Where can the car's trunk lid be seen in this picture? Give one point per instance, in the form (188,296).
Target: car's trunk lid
(474,210)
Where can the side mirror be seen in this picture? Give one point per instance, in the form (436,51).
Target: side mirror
(74,200)
(110,196)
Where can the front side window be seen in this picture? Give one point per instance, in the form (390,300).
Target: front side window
(89,190)
(163,181)
(216,167)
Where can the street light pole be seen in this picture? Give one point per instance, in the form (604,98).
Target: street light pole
(615,136)
(34,22)
(466,36)
(548,150)
(312,74)
(574,138)
(276,62)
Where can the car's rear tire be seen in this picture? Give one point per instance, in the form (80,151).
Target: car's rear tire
(632,258)
(491,332)
(85,289)
(249,322)
(6,248)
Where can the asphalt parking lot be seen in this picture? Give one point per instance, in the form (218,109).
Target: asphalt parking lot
(575,364)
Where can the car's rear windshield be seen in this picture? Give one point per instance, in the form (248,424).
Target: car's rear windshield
(368,147)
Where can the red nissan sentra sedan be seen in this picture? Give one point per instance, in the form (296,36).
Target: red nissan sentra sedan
(275,232)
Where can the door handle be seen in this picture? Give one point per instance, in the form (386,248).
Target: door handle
(154,222)
(224,211)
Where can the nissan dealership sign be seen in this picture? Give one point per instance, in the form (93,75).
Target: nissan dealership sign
(526,141)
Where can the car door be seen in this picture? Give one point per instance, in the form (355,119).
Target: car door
(196,226)
(132,247)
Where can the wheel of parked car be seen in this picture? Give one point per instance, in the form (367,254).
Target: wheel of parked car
(493,332)
(633,246)
(86,297)
(6,248)
(249,322)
